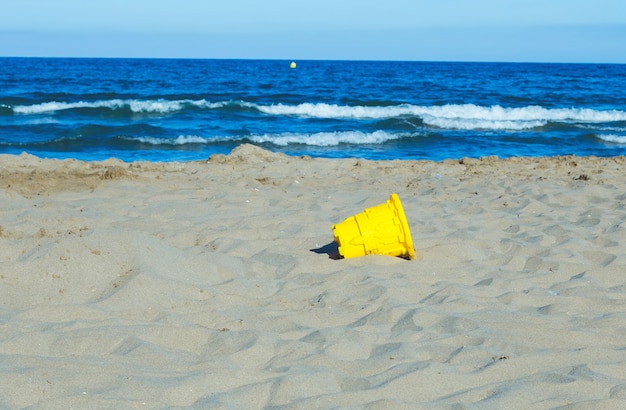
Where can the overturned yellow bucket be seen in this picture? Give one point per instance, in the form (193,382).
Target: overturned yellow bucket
(379,230)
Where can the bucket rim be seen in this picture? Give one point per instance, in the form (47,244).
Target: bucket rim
(395,200)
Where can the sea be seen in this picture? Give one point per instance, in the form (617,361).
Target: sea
(185,109)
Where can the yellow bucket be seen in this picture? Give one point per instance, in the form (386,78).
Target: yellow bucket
(379,230)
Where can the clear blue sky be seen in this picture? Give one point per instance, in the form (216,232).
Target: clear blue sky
(453,30)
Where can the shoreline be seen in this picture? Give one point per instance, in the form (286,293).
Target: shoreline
(206,283)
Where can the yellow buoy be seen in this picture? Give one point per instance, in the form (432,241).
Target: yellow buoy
(292,65)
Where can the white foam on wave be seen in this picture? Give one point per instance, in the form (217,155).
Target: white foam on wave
(449,116)
(322,139)
(159,106)
(482,124)
(326,139)
(44,107)
(616,139)
(180,140)
(322,110)
(459,116)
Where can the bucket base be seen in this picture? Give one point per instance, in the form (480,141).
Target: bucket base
(379,230)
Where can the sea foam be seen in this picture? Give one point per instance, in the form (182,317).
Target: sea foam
(138,106)
(458,116)
(616,139)
(321,139)
(326,139)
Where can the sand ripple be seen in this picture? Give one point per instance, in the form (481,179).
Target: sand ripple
(210,285)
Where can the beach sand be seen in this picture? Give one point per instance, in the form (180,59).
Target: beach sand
(213,284)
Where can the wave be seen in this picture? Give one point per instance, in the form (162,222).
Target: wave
(616,139)
(449,116)
(322,139)
(159,106)
(322,110)
(448,111)
(327,139)
(180,140)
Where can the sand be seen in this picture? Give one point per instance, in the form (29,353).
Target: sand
(213,284)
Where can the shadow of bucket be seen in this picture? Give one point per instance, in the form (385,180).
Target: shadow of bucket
(379,230)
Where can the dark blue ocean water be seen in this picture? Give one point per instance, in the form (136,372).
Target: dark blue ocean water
(177,110)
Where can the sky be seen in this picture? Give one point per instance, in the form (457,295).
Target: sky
(582,31)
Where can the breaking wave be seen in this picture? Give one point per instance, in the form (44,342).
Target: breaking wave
(321,139)
(449,116)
